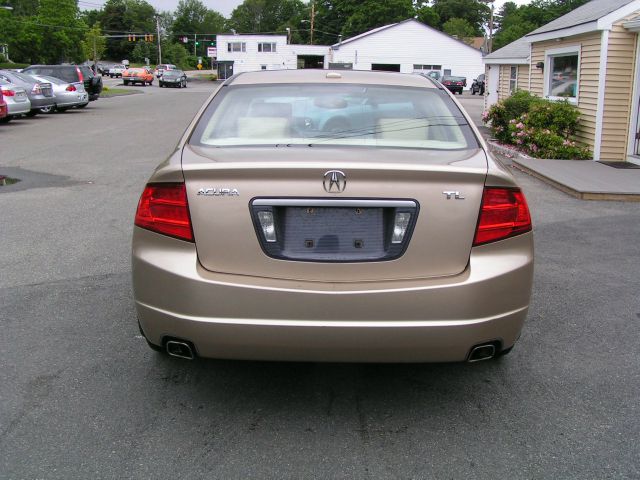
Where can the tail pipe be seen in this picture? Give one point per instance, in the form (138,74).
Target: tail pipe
(180,349)
(481,352)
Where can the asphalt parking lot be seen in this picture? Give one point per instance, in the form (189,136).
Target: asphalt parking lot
(82,396)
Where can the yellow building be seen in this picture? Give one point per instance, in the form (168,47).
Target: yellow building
(590,58)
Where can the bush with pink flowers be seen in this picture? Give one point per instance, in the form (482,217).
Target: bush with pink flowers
(537,127)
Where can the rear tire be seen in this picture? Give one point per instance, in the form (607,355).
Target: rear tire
(6,119)
(50,109)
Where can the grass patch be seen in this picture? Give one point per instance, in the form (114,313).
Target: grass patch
(210,77)
(11,66)
(8,181)
(108,92)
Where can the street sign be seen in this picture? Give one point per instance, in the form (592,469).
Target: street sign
(212,52)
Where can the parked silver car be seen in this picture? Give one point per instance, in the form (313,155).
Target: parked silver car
(16,99)
(40,93)
(67,95)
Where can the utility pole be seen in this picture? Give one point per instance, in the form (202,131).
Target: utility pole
(95,55)
(313,16)
(159,46)
(195,44)
(490,39)
(490,46)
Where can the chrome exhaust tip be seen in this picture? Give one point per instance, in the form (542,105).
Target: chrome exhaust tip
(482,352)
(179,349)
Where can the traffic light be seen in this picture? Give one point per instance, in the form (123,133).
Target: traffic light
(212,43)
(197,43)
(132,38)
(148,37)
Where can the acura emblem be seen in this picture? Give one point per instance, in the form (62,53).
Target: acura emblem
(335,181)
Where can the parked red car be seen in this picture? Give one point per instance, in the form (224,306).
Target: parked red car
(3,106)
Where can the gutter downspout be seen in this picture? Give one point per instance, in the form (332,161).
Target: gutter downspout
(602,80)
(530,51)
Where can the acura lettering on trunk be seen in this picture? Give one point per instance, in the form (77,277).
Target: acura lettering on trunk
(426,256)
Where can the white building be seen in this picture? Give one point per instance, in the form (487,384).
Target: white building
(408,46)
(246,53)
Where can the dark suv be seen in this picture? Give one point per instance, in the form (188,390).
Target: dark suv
(71,74)
(478,85)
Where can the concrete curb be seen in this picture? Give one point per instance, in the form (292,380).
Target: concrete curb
(517,157)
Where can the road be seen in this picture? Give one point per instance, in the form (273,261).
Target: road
(81,395)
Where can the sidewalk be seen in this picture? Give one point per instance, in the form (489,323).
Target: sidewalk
(584,179)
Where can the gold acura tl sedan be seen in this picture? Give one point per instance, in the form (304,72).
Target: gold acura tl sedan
(344,216)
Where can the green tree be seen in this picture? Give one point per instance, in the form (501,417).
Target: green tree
(515,21)
(428,16)
(24,8)
(126,16)
(91,17)
(473,11)
(94,44)
(255,16)
(459,28)
(192,16)
(176,54)
(331,15)
(165,20)
(349,18)
(61,31)
(370,14)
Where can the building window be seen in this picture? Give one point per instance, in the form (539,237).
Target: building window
(561,74)
(420,67)
(513,80)
(267,47)
(236,47)
(263,67)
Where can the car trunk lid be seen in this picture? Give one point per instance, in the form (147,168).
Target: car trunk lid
(318,231)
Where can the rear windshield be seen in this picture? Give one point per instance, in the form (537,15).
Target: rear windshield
(453,79)
(351,115)
(68,74)
(24,77)
(86,71)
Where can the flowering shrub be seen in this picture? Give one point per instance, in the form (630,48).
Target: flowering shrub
(537,127)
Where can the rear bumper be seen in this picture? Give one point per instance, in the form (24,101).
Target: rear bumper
(37,103)
(18,108)
(71,99)
(426,320)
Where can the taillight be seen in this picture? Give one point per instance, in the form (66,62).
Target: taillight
(163,208)
(80,76)
(8,93)
(36,90)
(504,213)
(71,88)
